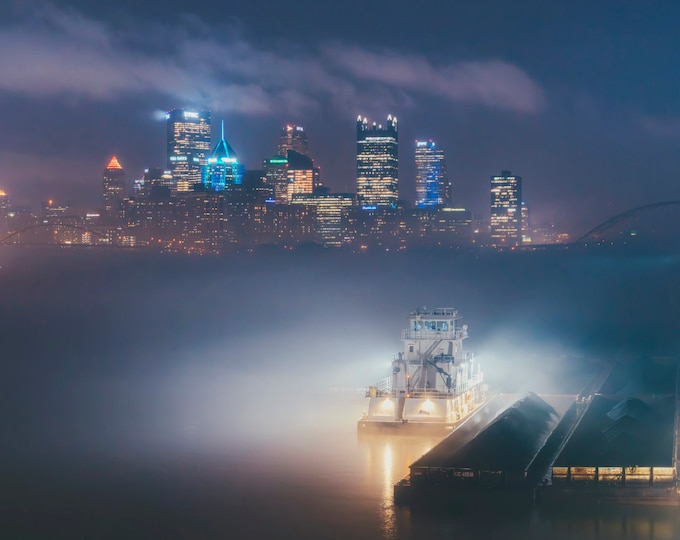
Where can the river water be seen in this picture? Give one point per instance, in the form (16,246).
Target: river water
(319,480)
(148,397)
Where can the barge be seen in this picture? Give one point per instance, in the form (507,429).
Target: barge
(614,444)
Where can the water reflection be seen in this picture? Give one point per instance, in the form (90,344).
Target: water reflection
(566,523)
(387,461)
(634,523)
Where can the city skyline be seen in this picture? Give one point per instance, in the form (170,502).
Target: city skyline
(595,126)
(193,157)
(301,176)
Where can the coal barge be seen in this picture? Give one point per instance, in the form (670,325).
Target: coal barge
(614,443)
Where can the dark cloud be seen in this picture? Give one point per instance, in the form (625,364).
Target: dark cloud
(662,127)
(492,83)
(61,52)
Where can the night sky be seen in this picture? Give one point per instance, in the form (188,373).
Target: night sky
(579,98)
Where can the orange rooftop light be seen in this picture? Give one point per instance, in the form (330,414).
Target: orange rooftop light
(114,164)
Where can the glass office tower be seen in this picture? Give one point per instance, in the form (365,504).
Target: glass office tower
(432,185)
(377,163)
(506,209)
(188,146)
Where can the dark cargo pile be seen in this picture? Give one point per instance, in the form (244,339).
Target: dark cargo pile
(630,421)
(623,433)
(509,443)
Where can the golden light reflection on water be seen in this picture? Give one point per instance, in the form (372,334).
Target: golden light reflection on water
(388,461)
(388,469)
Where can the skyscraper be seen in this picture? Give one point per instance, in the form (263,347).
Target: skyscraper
(377,163)
(506,213)
(276,176)
(526,224)
(432,185)
(300,174)
(188,145)
(113,189)
(293,138)
(4,200)
(222,168)
(4,211)
(331,211)
(157,182)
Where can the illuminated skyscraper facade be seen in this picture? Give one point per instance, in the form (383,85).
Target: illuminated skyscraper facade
(4,200)
(156,180)
(301,174)
(432,185)
(331,211)
(188,146)
(222,168)
(4,211)
(506,209)
(293,138)
(526,224)
(276,176)
(377,163)
(289,175)
(113,189)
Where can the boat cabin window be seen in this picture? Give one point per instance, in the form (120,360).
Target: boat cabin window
(431,326)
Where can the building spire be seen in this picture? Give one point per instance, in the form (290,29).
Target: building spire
(222,149)
(114,164)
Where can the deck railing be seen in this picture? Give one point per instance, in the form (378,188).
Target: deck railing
(384,388)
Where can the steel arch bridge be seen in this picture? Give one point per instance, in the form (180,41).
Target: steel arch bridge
(611,222)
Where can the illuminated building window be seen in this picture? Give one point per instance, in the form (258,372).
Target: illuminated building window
(377,163)
(506,216)
(189,141)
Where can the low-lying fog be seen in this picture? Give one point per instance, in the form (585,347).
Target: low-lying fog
(133,355)
(117,349)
